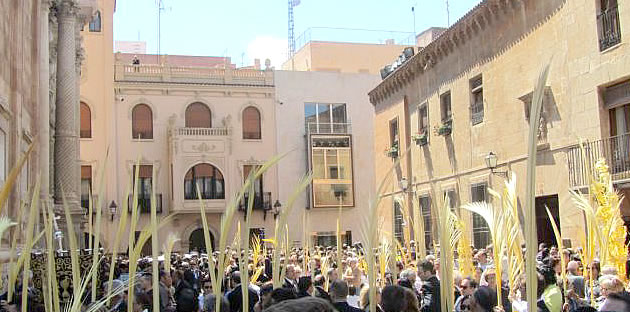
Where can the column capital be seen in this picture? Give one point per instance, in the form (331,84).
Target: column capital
(67,8)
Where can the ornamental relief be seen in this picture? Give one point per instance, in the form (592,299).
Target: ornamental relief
(203,147)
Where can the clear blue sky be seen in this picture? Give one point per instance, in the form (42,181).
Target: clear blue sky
(248,29)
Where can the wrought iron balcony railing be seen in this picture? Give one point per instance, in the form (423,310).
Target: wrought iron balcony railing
(610,29)
(144,203)
(261,202)
(615,150)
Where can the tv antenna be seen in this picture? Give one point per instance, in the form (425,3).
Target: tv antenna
(292,3)
(160,7)
(448,15)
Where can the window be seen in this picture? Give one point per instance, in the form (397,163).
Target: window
(86,186)
(86,122)
(398,221)
(95,23)
(609,26)
(445,107)
(258,184)
(425,209)
(331,162)
(452,199)
(476,101)
(142,122)
(326,118)
(481,231)
(423,118)
(208,178)
(393,132)
(198,115)
(251,124)
(145,189)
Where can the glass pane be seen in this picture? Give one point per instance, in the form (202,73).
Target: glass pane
(339,113)
(331,161)
(318,164)
(310,115)
(323,112)
(3,156)
(345,164)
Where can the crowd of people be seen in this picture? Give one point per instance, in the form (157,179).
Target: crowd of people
(313,282)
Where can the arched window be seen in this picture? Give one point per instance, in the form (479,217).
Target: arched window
(209,179)
(251,123)
(198,115)
(86,122)
(95,23)
(142,122)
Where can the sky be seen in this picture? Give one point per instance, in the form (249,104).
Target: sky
(249,29)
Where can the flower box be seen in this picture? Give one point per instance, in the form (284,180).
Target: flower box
(421,138)
(445,128)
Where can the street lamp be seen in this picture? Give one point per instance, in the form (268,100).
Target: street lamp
(491,163)
(276,209)
(112,210)
(404,184)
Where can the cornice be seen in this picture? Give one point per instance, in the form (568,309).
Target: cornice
(244,91)
(466,28)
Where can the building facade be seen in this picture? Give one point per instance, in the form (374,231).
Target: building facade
(467,94)
(39,99)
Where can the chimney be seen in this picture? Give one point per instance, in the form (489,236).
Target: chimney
(257,64)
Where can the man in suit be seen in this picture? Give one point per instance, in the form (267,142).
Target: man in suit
(235,297)
(339,294)
(430,292)
(289,279)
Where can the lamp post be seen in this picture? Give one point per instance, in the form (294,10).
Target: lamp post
(491,163)
(113,208)
(276,209)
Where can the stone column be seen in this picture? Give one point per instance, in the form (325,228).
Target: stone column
(67,177)
(43,121)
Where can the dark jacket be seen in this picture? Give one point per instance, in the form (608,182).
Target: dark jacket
(186,297)
(345,307)
(235,299)
(430,294)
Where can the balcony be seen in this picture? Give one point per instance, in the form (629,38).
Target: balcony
(201,131)
(616,151)
(261,202)
(328,128)
(609,28)
(192,74)
(144,203)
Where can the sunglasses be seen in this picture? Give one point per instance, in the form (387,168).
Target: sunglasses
(465,307)
(463,287)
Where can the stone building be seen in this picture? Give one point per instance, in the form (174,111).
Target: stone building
(41,46)
(201,120)
(467,94)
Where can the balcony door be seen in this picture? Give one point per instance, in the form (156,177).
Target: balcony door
(620,141)
(258,184)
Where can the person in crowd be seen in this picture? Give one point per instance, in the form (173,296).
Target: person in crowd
(468,286)
(593,291)
(484,299)
(549,294)
(574,276)
(609,284)
(235,296)
(339,294)
(364,300)
(281,294)
(353,273)
(290,278)
(264,296)
(411,301)
(306,304)
(209,298)
(305,287)
(430,291)
(353,296)
(393,298)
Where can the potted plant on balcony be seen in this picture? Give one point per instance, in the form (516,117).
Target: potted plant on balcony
(445,128)
(392,151)
(421,138)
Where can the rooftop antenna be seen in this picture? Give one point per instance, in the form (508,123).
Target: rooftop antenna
(413,11)
(448,15)
(291,52)
(160,7)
